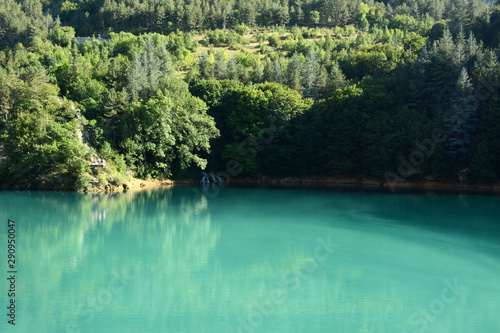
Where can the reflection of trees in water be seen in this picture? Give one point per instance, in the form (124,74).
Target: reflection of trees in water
(51,232)
(175,250)
(166,238)
(71,243)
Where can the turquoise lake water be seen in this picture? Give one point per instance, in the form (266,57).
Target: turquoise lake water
(252,260)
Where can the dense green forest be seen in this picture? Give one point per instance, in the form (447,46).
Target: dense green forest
(396,90)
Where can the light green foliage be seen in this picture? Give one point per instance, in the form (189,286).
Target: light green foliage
(84,182)
(315,16)
(273,41)
(62,35)
(102,179)
(242,29)
(39,147)
(172,127)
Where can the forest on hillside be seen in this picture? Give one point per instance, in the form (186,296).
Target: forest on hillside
(394,90)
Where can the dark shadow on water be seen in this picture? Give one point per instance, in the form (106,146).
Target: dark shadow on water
(364,189)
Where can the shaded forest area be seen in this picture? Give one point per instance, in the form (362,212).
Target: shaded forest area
(393,90)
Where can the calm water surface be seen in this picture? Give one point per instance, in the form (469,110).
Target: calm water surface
(252,260)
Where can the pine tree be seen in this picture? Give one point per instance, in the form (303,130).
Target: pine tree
(293,72)
(220,65)
(277,72)
(322,78)
(136,77)
(165,59)
(336,80)
(152,67)
(206,67)
(487,70)
(310,72)
(283,13)
(268,70)
(446,46)
(259,73)
(473,49)
(461,54)
(233,69)
(114,109)
(442,76)
(148,69)
(461,120)
(417,84)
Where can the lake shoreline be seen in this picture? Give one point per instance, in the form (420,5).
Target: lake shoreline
(338,182)
(367,183)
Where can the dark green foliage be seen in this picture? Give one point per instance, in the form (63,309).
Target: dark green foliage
(352,89)
(485,156)
(246,115)
(21,22)
(98,16)
(460,121)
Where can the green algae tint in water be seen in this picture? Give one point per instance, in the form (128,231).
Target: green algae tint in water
(252,260)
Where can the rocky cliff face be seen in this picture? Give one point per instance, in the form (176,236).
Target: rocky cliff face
(2,156)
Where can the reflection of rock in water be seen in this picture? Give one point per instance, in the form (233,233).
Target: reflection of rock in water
(210,178)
